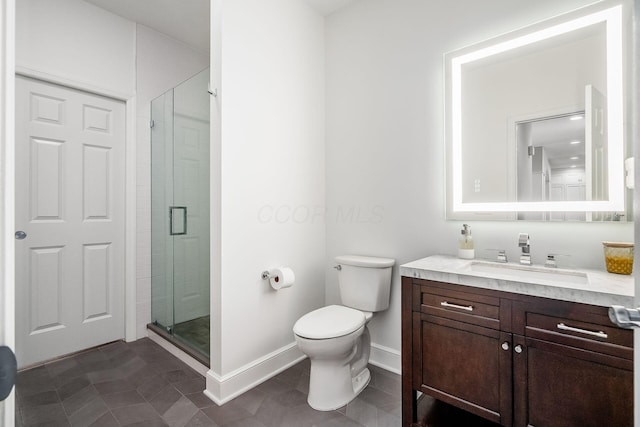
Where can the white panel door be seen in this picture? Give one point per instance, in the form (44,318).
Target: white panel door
(575,192)
(557,193)
(70,149)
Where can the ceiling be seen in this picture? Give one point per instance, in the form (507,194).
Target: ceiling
(187,20)
(326,7)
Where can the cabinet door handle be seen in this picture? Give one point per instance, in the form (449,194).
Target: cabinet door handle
(518,349)
(505,345)
(598,334)
(460,307)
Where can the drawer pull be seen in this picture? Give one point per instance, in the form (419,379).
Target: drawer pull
(460,307)
(598,334)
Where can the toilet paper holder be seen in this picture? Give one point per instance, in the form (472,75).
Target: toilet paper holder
(281,277)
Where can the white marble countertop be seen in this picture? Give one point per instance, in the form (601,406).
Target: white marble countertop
(599,287)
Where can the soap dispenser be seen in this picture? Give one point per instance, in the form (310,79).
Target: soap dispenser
(465,248)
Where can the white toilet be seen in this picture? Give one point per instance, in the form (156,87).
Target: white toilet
(336,337)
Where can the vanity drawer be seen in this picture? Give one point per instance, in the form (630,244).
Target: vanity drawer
(466,307)
(589,334)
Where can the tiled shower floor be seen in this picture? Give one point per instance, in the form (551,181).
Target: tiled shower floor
(195,332)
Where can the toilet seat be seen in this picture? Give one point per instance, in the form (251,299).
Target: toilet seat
(329,322)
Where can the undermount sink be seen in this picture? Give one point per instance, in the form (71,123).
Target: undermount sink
(524,273)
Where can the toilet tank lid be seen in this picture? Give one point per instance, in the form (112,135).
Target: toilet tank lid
(365,261)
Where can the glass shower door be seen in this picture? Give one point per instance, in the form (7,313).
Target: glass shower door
(191,204)
(180,212)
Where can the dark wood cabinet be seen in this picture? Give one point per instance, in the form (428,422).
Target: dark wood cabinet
(512,359)
(575,367)
(456,355)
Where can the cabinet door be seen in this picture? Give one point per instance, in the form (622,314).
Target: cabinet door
(465,365)
(557,385)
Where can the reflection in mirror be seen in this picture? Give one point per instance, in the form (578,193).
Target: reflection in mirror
(535,121)
(551,163)
(551,159)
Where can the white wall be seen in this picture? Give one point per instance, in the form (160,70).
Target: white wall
(271,100)
(161,63)
(74,40)
(385,149)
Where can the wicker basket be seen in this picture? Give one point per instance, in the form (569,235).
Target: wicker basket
(619,257)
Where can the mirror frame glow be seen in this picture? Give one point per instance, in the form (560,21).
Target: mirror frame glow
(612,17)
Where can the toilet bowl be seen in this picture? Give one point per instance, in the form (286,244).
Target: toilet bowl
(336,337)
(336,340)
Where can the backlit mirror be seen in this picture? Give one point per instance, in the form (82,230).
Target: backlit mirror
(535,121)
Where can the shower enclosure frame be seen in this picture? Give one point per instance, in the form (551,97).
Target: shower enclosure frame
(180,216)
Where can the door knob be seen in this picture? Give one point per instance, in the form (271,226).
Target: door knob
(518,349)
(8,371)
(20,235)
(505,345)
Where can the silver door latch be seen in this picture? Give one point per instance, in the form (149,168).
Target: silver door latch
(625,317)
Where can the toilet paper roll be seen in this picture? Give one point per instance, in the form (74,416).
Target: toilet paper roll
(282,277)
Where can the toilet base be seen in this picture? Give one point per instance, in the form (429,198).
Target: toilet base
(338,368)
(361,382)
(329,394)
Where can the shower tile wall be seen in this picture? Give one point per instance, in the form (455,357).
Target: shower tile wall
(161,64)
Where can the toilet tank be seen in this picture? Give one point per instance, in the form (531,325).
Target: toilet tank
(365,282)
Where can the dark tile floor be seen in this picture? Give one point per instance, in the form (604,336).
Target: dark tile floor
(141,384)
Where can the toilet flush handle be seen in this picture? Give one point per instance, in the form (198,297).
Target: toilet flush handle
(338,267)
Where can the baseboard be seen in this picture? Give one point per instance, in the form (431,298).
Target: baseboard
(222,389)
(386,358)
(184,357)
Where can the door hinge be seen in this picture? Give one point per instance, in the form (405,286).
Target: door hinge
(213,92)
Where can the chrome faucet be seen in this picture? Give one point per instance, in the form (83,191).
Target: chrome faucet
(501,255)
(523,242)
(551,261)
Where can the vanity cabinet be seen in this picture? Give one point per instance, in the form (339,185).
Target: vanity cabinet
(575,367)
(512,359)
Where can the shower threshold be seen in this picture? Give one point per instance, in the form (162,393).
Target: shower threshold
(180,343)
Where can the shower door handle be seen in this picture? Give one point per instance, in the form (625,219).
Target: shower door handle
(177,220)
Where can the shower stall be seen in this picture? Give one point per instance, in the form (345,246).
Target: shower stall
(180,216)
